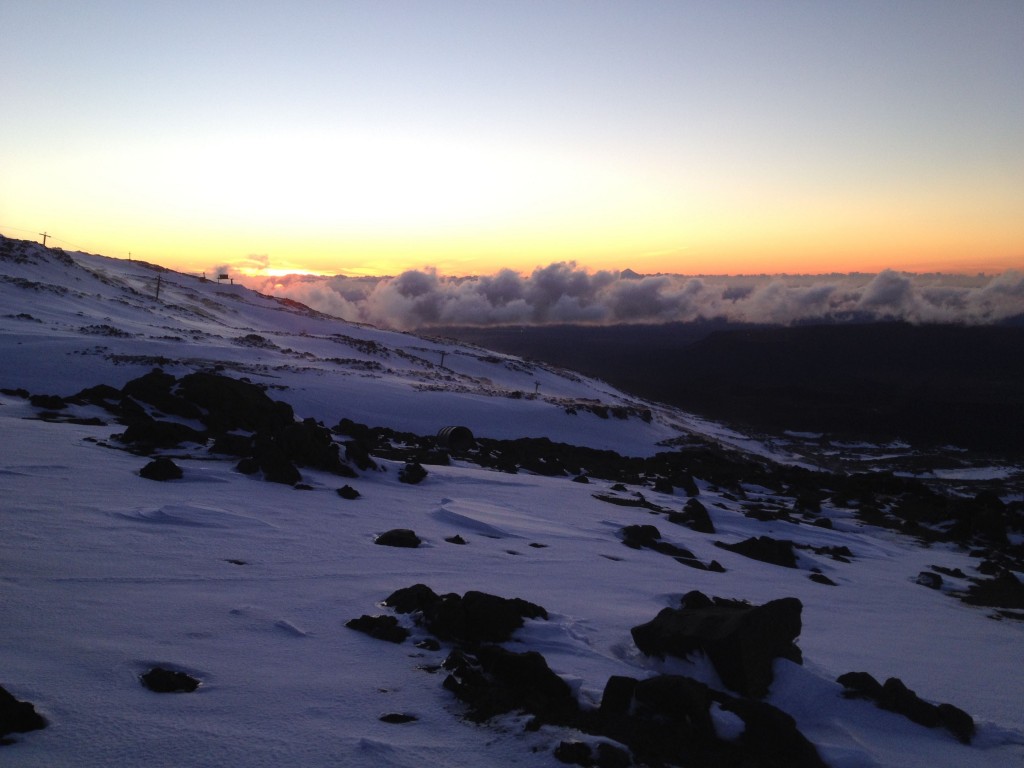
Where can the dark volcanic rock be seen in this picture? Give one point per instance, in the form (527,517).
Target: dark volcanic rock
(348,492)
(232,445)
(473,618)
(412,473)
(48,402)
(742,641)
(151,433)
(163,680)
(418,597)
(161,469)
(765,549)
(639,536)
(649,537)
(694,516)
(494,681)
(397,718)
(398,537)
(274,462)
(379,627)
(770,736)
(17,716)
(666,720)
(154,388)
(894,696)
(478,617)
(1003,591)
(234,404)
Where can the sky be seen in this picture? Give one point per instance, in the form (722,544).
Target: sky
(367,138)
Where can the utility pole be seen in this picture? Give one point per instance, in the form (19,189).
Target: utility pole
(44,235)
(158,279)
(443,353)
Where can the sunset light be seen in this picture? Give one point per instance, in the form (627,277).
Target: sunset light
(363,139)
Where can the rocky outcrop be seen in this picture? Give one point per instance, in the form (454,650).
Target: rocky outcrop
(471,619)
(742,641)
(493,681)
(666,720)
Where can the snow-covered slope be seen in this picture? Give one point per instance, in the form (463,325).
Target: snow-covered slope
(248,585)
(85,319)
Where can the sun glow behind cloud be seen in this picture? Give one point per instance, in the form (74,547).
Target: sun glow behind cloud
(342,138)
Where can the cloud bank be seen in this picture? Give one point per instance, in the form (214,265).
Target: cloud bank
(565,293)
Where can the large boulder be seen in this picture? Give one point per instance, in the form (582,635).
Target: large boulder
(666,720)
(493,681)
(742,641)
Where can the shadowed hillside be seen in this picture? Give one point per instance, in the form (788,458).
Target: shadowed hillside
(960,385)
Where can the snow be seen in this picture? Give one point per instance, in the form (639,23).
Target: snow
(247,585)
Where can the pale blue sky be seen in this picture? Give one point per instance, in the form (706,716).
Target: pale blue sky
(453,132)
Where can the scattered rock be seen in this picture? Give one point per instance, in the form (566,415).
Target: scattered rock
(649,537)
(456,539)
(348,492)
(929,579)
(894,696)
(162,680)
(398,537)
(397,718)
(161,469)
(821,578)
